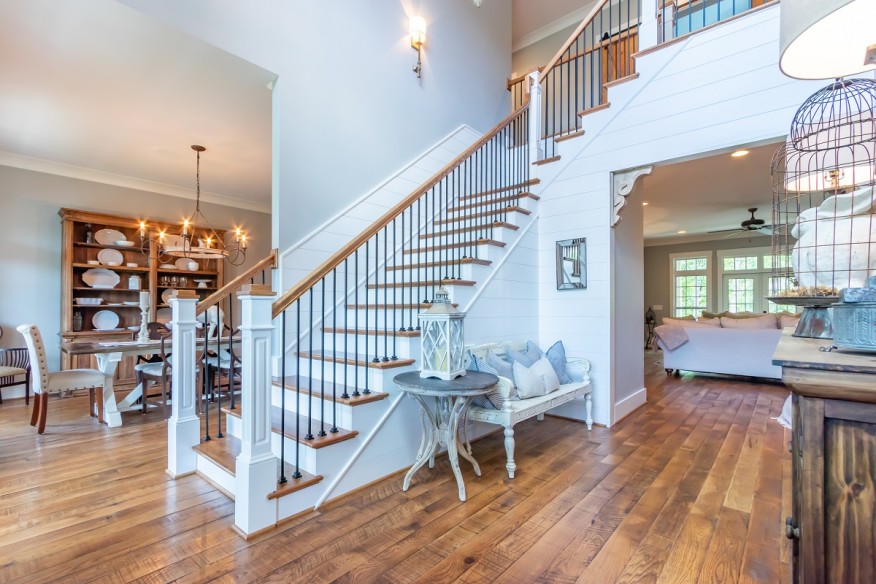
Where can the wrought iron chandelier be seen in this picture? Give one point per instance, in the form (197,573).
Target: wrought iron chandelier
(197,239)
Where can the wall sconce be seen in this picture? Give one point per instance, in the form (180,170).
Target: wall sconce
(417,29)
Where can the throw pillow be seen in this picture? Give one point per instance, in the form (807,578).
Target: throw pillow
(709,315)
(492,400)
(528,382)
(531,356)
(711,323)
(545,370)
(499,364)
(785,321)
(764,321)
(741,315)
(533,349)
(557,356)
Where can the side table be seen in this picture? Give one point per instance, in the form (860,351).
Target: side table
(440,427)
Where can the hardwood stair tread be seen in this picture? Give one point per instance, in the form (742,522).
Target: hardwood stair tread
(492,242)
(423,284)
(460,261)
(359,360)
(224,452)
(373,332)
(487,202)
(595,109)
(504,189)
(569,136)
(546,160)
(491,213)
(305,383)
(316,442)
(484,227)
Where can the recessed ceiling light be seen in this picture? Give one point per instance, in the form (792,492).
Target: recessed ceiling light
(644,203)
(739,153)
(682,231)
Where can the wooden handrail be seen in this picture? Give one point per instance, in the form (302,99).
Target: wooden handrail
(269,261)
(295,292)
(553,62)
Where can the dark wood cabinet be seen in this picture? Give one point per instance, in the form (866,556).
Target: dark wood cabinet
(833,445)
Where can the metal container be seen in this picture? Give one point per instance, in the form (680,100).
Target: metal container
(854,326)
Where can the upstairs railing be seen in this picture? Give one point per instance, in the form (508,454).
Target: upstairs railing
(574,80)
(347,315)
(679,17)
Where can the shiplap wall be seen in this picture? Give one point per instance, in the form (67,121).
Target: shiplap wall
(714,90)
(311,251)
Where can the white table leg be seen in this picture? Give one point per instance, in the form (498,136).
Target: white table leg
(107,363)
(428,443)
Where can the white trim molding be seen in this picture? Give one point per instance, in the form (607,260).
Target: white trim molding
(622,184)
(629,404)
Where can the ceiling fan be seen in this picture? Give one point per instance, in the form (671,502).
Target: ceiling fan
(748,225)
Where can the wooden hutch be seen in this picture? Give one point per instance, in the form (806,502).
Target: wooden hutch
(80,254)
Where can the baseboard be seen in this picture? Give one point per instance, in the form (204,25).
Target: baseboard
(628,405)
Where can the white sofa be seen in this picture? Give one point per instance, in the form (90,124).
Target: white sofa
(725,350)
(517,410)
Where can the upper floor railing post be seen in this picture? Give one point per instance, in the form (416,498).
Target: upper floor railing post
(536,146)
(184,426)
(649,32)
(256,472)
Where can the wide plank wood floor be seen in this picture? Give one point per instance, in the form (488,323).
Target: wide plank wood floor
(690,488)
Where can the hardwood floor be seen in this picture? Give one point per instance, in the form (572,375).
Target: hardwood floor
(690,488)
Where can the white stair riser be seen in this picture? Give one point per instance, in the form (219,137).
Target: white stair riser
(347,416)
(401,347)
(216,473)
(495,233)
(484,252)
(458,295)
(464,272)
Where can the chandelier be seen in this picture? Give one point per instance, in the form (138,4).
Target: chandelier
(196,238)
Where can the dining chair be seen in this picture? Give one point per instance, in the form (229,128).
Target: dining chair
(156,368)
(46,383)
(15,364)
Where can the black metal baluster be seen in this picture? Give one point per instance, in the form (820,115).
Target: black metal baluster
(309,435)
(414,261)
(205,385)
(297,474)
(334,427)
(346,395)
(395,250)
(231,349)
(356,325)
(282,480)
(385,298)
(322,361)
(218,373)
(366,391)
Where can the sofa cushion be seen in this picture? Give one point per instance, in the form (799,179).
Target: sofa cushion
(710,323)
(707,314)
(764,321)
(741,315)
(688,317)
(556,354)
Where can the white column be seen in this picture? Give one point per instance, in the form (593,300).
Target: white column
(536,147)
(183,427)
(648,28)
(256,474)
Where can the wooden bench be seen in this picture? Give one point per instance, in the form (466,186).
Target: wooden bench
(514,411)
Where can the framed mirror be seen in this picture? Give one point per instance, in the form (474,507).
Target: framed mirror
(572,264)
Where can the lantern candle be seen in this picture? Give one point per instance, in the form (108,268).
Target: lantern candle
(144,299)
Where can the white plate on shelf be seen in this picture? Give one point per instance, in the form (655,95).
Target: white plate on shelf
(109,236)
(124,243)
(133,328)
(104,320)
(203,283)
(167,267)
(163,315)
(110,257)
(131,303)
(100,278)
(165,296)
(187,264)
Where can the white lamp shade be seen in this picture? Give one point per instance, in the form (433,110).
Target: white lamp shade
(824,39)
(837,168)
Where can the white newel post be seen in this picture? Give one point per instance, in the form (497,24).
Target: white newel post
(256,474)
(183,427)
(536,147)
(649,33)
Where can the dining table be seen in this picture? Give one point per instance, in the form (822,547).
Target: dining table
(110,353)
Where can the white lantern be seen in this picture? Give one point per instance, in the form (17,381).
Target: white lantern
(442,340)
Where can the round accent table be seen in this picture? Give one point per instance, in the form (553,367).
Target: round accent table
(440,427)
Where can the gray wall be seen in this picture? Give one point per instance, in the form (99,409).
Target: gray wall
(30,237)
(348,110)
(657,268)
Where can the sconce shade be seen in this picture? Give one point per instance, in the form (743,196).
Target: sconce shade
(823,39)
(417,29)
(442,340)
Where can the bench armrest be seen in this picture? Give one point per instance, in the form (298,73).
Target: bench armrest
(578,369)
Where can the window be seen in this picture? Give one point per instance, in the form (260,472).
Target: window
(747,280)
(696,15)
(690,283)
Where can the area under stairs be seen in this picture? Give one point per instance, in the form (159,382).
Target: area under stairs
(324,390)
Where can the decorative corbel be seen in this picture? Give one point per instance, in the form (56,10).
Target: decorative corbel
(622,185)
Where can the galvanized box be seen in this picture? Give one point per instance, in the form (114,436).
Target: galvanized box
(854,326)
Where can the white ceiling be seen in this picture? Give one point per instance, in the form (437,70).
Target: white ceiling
(533,20)
(96,90)
(706,194)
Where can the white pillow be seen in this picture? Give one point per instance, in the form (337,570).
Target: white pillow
(766,321)
(706,323)
(529,383)
(545,370)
